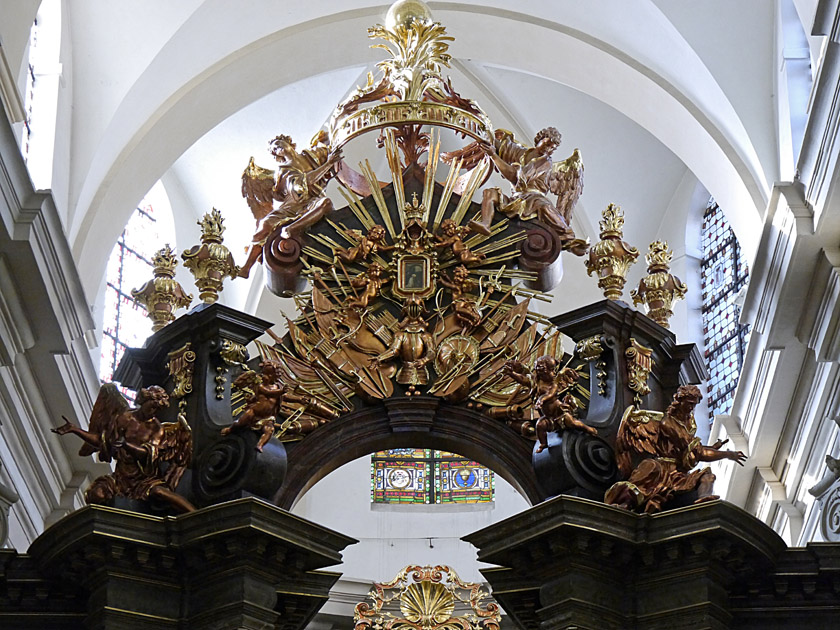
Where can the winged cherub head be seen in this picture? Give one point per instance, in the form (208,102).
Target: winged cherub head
(547,140)
(270,370)
(376,233)
(544,367)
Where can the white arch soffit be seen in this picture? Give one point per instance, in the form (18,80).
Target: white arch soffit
(173,104)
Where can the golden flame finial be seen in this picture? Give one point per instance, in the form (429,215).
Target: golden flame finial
(212,227)
(610,258)
(612,221)
(659,256)
(659,290)
(162,295)
(211,262)
(164,262)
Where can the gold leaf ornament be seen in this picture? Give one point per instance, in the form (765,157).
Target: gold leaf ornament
(427,603)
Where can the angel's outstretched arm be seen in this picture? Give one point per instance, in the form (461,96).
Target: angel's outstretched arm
(507,171)
(710,454)
(68,427)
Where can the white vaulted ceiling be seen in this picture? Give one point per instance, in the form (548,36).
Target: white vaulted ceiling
(663,98)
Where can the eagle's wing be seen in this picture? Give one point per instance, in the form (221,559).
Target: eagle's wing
(258,189)
(636,436)
(566,181)
(176,449)
(109,404)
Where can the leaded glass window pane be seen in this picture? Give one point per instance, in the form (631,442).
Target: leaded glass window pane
(422,476)
(124,323)
(724,273)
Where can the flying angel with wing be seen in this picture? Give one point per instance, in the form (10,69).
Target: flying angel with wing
(297,187)
(533,176)
(151,456)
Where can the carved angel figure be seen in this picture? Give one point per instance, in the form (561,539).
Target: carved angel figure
(297,186)
(533,176)
(550,393)
(139,443)
(656,453)
(465,306)
(368,245)
(452,235)
(263,396)
(370,282)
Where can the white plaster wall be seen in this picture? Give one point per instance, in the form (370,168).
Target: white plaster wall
(391,537)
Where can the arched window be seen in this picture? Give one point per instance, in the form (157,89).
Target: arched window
(124,323)
(724,275)
(426,476)
(41,97)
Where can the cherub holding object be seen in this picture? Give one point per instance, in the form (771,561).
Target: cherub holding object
(263,396)
(534,176)
(139,443)
(466,309)
(452,235)
(298,187)
(556,413)
(370,282)
(370,244)
(656,454)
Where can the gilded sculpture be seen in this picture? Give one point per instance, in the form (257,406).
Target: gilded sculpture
(163,295)
(150,455)
(534,177)
(297,187)
(211,262)
(660,288)
(413,345)
(368,245)
(639,365)
(427,598)
(369,283)
(550,390)
(464,304)
(610,258)
(452,236)
(270,403)
(657,453)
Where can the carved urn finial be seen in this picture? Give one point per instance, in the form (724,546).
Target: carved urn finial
(211,261)
(610,258)
(659,289)
(162,295)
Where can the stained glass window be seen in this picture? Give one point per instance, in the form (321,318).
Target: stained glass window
(724,275)
(424,476)
(124,323)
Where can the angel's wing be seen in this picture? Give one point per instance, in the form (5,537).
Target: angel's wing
(109,405)
(176,450)
(636,436)
(258,189)
(506,146)
(566,181)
